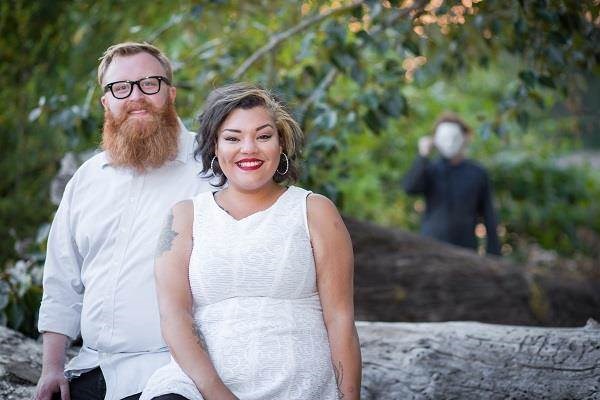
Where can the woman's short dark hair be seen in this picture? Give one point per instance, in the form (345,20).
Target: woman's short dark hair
(217,107)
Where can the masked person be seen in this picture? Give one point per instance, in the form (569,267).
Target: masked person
(98,276)
(457,190)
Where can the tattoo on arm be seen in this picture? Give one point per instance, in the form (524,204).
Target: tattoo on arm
(339,377)
(200,338)
(166,236)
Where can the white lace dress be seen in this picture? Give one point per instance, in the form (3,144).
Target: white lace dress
(253,284)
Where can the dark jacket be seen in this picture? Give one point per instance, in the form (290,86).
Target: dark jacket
(456,196)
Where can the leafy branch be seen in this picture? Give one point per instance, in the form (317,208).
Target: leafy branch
(283,36)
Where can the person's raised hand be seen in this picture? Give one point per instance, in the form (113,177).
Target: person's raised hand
(425,145)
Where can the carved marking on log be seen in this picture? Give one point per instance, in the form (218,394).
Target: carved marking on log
(460,360)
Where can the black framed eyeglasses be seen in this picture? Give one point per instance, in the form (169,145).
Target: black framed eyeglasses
(148,85)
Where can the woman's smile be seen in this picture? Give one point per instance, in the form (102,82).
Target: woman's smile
(249,164)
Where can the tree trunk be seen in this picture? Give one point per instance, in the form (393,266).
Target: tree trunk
(403,277)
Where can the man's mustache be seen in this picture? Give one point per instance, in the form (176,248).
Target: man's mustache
(142,104)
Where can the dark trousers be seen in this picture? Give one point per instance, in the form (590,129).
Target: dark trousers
(92,386)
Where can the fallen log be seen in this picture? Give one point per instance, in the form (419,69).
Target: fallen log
(470,360)
(403,277)
(429,361)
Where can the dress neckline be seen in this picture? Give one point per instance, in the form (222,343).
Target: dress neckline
(224,212)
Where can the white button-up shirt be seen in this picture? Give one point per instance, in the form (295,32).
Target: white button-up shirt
(98,276)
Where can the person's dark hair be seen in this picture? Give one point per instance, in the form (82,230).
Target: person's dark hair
(451,117)
(217,107)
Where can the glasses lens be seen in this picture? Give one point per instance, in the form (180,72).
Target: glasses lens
(121,89)
(150,85)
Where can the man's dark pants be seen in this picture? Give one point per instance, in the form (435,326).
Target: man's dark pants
(92,386)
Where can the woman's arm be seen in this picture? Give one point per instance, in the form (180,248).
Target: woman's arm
(334,262)
(175,303)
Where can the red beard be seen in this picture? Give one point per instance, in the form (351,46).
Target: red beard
(141,143)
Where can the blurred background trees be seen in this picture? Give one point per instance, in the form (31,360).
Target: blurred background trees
(366,79)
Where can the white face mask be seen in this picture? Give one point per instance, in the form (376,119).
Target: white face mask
(449,139)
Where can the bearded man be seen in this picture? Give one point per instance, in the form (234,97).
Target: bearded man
(98,276)
(457,191)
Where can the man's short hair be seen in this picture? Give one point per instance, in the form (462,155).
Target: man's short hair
(129,49)
(453,118)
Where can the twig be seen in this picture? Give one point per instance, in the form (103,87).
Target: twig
(317,93)
(417,7)
(282,36)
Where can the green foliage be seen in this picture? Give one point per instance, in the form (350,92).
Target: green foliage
(20,286)
(365,80)
(543,203)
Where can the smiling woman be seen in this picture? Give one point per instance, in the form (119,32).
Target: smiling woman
(220,109)
(255,302)
(248,150)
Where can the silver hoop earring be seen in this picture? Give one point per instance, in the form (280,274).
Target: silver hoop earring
(212,167)
(287,165)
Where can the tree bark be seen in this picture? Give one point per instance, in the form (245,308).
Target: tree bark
(470,360)
(404,277)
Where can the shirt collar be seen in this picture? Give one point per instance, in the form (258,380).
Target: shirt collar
(185,147)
